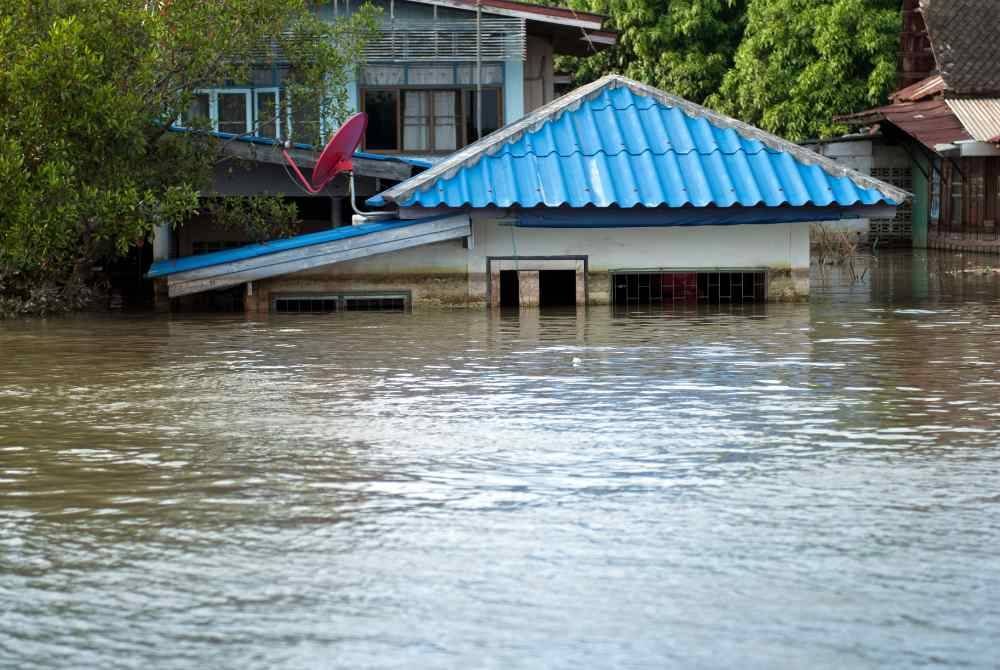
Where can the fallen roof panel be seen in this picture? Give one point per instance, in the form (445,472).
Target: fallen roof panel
(209,272)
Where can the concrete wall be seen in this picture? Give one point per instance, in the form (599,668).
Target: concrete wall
(449,273)
(864,155)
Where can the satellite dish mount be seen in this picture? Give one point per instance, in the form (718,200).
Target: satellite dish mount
(335,158)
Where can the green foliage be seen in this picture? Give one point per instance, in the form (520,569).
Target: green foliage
(802,62)
(788,66)
(260,217)
(88,88)
(683,46)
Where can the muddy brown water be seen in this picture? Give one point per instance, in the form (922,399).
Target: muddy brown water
(786,486)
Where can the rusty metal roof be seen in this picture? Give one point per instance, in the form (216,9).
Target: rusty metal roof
(924,88)
(930,122)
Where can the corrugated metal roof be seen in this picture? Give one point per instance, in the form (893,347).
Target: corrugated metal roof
(930,122)
(619,142)
(980,116)
(171,266)
(924,88)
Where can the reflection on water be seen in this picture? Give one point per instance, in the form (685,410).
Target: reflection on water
(782,486)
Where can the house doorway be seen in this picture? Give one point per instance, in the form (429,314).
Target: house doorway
(510,294)
(519,282)
(557,288)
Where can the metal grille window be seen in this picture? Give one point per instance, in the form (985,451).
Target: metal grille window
(305,305)
(329,303)
(652,288)
(375,304)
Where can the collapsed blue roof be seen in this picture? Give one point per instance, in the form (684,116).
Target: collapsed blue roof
(617,142)
(171,266)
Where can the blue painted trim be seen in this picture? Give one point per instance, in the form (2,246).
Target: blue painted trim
(175,265)
(588,217)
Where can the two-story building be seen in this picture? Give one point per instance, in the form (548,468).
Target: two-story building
(944,122)
(439,75)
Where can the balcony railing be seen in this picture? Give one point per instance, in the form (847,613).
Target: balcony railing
(454,41)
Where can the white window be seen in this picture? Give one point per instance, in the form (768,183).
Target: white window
(239,111)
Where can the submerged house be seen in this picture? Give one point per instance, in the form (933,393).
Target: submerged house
(614,193)
(945,118)
(438,75)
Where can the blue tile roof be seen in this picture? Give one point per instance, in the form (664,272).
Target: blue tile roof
(619,142)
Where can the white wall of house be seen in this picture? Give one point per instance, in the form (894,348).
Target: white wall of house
(778,246)
(460,269)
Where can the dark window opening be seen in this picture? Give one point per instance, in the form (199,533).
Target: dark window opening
(669,288)
(509,289)
(491,113)
(375,304)
(556,288)
(266,114)
(382,108)
(211,246)
(327,303)
(305,305)
(233,113)
(199,111)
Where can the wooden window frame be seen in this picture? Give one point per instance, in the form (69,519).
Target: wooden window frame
(460,132)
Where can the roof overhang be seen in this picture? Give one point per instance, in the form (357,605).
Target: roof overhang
(976,149)
(573,32)
(530,12)
(670,217)
(930,122)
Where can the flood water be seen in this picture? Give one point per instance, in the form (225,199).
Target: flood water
(789,486)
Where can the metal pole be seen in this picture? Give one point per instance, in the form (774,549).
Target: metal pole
(479,70)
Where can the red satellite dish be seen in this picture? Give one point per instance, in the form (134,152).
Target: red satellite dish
(336,155)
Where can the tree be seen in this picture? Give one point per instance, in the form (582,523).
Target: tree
(682,46)
(801,62)
(88,90)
